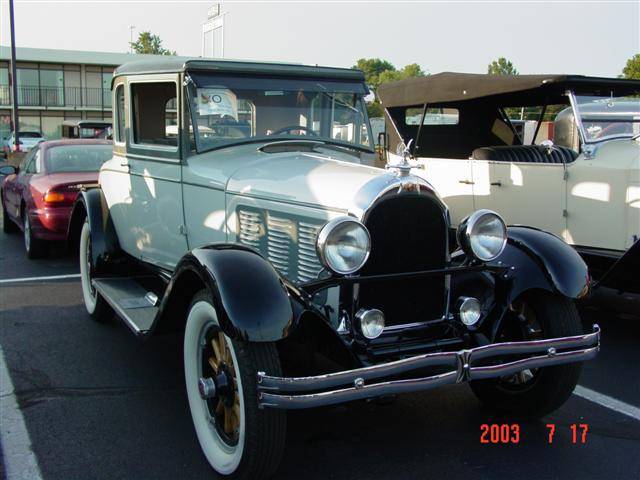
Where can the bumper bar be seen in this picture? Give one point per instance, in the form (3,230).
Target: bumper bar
(332,388)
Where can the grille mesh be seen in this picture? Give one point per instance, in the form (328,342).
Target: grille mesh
(288,243)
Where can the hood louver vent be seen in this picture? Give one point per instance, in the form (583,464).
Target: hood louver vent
(288,243)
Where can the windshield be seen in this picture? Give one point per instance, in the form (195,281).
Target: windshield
(234,110)
(77,158)
(608,117)
(98,131)
(30,135)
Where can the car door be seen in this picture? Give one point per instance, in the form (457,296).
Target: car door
(11,187)
(22,192)
(156,216)
(602,192)
(524,193)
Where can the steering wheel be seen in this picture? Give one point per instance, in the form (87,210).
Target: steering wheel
(295,127)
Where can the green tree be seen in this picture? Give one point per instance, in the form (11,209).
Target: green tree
(378,71)
(632,68)
(149,43)
(502,66)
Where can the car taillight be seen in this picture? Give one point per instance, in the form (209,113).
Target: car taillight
(60,196)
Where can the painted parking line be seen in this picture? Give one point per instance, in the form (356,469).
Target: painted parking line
(18,458)
(39,279)
(608,402)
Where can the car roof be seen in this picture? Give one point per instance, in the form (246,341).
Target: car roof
(171,64)
(78,122)
(74,141)
(506,90)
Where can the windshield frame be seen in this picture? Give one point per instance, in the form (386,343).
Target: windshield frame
(578,116)
(191,89)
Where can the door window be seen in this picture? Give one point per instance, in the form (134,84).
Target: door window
(154,115)
(119,114)
(34,163)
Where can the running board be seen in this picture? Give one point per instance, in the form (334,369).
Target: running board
(132,302)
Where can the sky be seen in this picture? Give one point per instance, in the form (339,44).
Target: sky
(579,37)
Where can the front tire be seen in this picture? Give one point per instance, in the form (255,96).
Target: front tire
(239,440)
(533,394)
(8,225)
(33,247)
(96,306)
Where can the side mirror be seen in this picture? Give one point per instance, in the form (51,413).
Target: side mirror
(8,170)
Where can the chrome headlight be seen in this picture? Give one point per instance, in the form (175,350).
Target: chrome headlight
(483,234)
(343,245)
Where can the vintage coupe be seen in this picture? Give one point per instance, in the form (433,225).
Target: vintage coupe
(300,276)
(573,169)
(38,196)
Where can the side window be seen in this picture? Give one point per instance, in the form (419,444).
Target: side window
(34,164)
(119,137)
(26,160)
(433,116)
(154,114)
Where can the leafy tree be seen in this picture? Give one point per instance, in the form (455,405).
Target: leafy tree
(502,66)
(632,68)
(378,71)
(149,43)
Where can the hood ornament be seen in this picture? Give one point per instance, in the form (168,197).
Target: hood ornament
(403,167)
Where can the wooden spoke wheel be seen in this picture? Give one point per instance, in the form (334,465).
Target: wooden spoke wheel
(225,406)
(240,440)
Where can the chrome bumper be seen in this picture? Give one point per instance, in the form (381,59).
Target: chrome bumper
(339,387)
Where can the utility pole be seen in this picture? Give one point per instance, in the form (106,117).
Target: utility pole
(14,82)
(131,27)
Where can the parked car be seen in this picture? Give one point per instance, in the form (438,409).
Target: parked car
(28,139)
(87,129)
(300,276)
(37,197)
(577,176)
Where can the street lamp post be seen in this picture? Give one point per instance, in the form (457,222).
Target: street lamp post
(131,27)
(14,82)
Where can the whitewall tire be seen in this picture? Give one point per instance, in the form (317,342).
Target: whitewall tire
(96,306)
(239,440)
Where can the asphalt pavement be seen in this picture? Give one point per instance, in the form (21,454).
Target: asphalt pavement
(99,404)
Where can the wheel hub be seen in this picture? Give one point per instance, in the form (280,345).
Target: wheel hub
(219,389)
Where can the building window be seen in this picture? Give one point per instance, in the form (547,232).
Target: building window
(52,87)
(119,114)
(28,87)
(5,91)
(152,114)
(106,88)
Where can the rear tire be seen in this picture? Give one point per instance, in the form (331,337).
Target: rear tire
(96,306)
(548,388)
(251,446)
(34,247)
(8,225)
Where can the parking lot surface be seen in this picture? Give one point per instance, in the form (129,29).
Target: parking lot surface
(99,404)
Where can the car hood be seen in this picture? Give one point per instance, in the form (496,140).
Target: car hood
(302,177)
(620,153)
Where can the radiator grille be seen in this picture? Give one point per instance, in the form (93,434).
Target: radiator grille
(408,233)
(288,243)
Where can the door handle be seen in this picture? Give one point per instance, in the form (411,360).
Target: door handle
(126,165)
(496,184)
(466,182)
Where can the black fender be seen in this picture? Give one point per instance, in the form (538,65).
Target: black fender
(541,260)
(249,295)
(104,240)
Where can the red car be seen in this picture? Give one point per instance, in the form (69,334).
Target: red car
(37,197)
